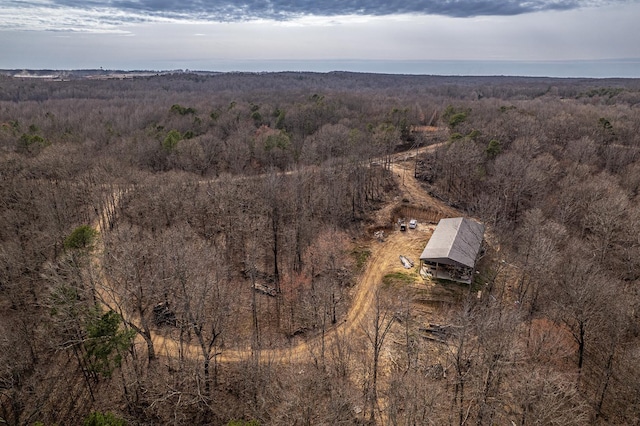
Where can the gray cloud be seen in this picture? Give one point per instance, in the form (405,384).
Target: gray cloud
(229,11)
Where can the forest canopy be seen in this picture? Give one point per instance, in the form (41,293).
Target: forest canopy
(162,236)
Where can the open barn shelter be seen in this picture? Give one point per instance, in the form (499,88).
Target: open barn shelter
(453,249)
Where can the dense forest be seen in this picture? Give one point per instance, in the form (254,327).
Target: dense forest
(187,248)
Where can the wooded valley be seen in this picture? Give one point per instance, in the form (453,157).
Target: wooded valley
(199,249)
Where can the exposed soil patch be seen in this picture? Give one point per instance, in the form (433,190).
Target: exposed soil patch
(422,214)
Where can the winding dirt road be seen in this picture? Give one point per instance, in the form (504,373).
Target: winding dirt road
(384,259)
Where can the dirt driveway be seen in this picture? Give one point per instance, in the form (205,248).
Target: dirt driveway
(384,260)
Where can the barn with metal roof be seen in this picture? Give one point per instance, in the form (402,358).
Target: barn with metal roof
(452,250)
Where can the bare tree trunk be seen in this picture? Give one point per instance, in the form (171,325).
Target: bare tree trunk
(607,377)
(382,322)
(581,343)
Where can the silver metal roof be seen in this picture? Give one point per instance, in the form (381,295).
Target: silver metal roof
(456,241)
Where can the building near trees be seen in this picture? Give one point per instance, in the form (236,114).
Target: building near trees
(452,250)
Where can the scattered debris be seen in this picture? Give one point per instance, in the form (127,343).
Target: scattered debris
(406,262)
(425,272)
(433,339)
(436,329)
(437,332)
(269,291)
(379,235)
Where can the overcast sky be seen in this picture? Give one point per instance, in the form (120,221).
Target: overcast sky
(358,35)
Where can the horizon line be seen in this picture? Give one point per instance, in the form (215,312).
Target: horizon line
(546,68)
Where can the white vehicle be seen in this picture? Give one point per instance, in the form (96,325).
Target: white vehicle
(413,223)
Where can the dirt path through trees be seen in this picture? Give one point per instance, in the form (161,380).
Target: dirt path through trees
(384,259)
